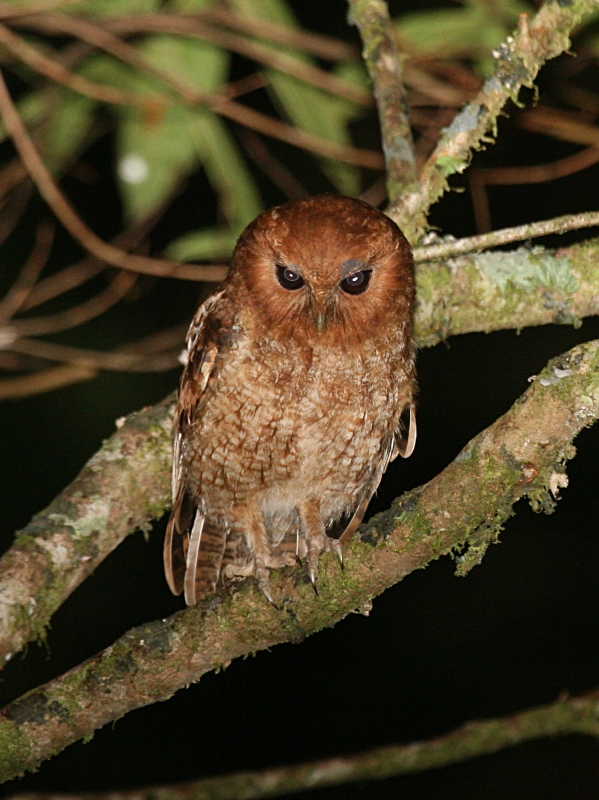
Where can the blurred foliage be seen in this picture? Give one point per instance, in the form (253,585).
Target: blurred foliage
(163,138)
(470,31)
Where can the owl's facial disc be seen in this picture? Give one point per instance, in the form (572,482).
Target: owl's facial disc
(354,275)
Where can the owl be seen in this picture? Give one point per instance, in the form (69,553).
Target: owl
(297,393)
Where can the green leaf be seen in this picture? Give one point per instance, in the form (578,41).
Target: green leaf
(226,170)
(111,8)
(204,245)
(161,143)
(187,6)
(155,145)
(67,128)
(154,154)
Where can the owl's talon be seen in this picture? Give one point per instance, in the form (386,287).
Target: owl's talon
(261,574)
(335,546)
(313,582)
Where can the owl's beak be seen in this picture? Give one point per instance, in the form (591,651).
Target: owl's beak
(323,309)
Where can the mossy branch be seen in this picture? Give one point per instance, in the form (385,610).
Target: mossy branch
(385,68)
(506,289)
(121,489)
(522,454)
(518,61)
(567,715)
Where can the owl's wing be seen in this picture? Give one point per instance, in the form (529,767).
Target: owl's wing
(402,444)
(190,540)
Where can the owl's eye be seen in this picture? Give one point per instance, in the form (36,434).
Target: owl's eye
(288,278)
(356,283)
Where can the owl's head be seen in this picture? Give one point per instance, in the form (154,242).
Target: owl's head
(326,268)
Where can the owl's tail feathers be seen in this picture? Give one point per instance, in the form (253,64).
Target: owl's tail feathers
(193,551)
(204,558)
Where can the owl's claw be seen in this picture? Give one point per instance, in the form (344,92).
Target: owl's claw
(261,574)
(335,546)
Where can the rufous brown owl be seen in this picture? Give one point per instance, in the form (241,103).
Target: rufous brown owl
(297,392)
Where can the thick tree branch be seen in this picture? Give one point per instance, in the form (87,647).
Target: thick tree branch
(566,716)
(124,486)
(522,454)
(518,61)
(513,289)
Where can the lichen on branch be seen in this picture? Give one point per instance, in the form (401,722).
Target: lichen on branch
(506,289)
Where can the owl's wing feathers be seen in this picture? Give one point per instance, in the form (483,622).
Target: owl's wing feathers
(193,548)
(402,443)
(405,437)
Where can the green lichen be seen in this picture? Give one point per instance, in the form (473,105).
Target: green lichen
(528,270)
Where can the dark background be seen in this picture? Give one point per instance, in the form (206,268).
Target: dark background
(436,650)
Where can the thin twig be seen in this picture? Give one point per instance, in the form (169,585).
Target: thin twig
(57,72)
(562,125)
(263,54)
(8,10)
(480,178)
(152,661)
(315,43)
(568,715)
(77,274)
(520,233)
(538,173)
(13,204)
(95,359)
(384,65)
(71,220)
(44,381)
(79,314)
(18,293)
(274,169)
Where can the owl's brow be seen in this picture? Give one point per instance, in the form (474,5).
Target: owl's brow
(295,267)
(350,266)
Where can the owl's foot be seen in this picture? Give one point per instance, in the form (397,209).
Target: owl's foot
(317,544)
